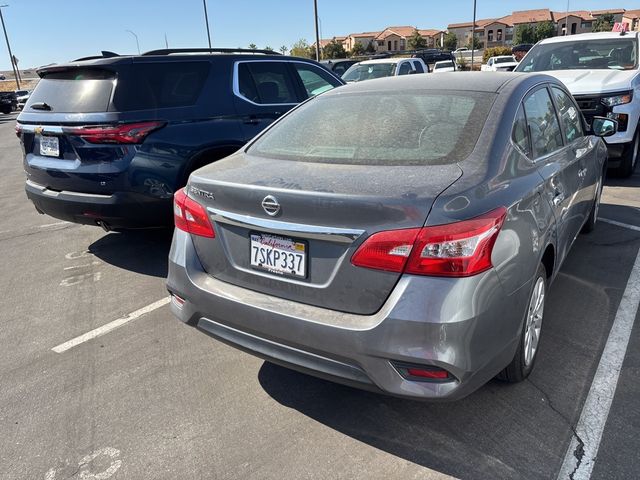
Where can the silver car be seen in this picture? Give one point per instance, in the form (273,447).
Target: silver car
(397,235)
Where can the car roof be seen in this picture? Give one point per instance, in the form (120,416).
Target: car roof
(383,60)
(490,82)
(588,36)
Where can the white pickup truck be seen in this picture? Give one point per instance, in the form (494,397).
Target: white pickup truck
(601,70)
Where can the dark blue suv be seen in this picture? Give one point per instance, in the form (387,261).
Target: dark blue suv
(108,140)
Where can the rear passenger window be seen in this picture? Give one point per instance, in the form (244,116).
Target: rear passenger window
(418,67)
(315,81)
(519,134)
(266,82)
(569,115)
(405,68)
(160,85)
(544,129)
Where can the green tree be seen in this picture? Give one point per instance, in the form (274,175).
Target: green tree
(301,49)
(524,33)
(269,49)
(333,49)
(370,48)
(357,49)
(604,23)
(450,41)
(495,52)
(253,46)
(475,43)
(283,49)
(416,41)
(544,30)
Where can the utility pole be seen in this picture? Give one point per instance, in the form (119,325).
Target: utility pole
(566,20)
(166,42)
(206,20)
(315,12)
(137,43)
(6,37)
(473,34)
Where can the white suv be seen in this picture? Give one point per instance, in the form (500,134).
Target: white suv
(602,72)
(384,67)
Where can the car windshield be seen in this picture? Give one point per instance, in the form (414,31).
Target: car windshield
(444,65)
(421,127)
(369,71)
(607,53)
(505,59)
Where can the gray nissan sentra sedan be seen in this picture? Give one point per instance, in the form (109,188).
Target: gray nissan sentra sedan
(398,235)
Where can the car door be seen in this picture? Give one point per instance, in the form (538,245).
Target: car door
(556,163)
(263,91)
(581,146)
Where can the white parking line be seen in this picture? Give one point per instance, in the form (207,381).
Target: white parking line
(63,347)
(619,224)
(580,457)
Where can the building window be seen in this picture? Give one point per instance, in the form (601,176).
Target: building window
(585,25)
(490,36)
(573,28)
(395,45)
(389,45)
(402,46)
(381,43)
(564,27)
(499,35)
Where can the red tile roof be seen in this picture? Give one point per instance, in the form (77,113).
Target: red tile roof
(610,10)
(582,14)
(527,16)
(365,34)
(402,31)
(479,23)
(632,14)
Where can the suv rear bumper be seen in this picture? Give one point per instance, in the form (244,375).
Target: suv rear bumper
(421,323)
(118,210)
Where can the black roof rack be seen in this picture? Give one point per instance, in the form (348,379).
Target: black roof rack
(168,51)
(103,54)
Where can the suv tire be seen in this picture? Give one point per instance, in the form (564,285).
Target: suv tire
(629,159)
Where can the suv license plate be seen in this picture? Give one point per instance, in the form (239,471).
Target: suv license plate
(49,146)
(280,255)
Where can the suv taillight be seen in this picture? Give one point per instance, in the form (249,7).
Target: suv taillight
(191,217)
(459,249)
(121,133)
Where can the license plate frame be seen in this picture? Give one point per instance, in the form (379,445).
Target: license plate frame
(49,146)
(261,261)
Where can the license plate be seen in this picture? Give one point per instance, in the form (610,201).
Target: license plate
(279,255)
(49,146)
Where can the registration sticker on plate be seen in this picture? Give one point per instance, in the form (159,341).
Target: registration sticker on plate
(280,255)
(49,146)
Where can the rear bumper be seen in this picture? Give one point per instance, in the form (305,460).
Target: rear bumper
(422,322)
(118,210)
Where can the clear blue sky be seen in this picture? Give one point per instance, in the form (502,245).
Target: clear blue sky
(48,31)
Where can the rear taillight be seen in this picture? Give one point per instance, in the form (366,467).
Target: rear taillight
(121,133)
(423,373)
(190,216)
(459,249)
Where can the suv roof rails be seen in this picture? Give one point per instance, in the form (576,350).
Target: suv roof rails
(168,51)
(103,54)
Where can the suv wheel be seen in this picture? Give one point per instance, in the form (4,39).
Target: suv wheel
(630,157)
(6,110)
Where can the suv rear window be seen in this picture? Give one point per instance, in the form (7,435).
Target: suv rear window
(160,85)
(76,90)
(422,127)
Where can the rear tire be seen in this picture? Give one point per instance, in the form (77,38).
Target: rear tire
(6,111)
(629,159)
(590,224)
(528,346)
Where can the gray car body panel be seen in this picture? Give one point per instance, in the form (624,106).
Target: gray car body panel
(469,326)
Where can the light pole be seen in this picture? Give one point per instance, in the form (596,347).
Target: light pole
(137,43)
(566,20)
(473,34)
(206,20)
(315,12)
(6,37)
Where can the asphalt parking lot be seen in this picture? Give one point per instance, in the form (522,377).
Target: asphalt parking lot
(157,399)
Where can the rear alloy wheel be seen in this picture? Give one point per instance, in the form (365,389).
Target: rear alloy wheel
(525,357)
(629,158)
(590,224)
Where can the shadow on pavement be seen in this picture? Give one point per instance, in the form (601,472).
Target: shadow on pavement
(502,430)
(143,251)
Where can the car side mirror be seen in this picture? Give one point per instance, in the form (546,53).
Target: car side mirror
(603,126)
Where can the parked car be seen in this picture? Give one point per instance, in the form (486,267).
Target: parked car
(22,96)
(461,50)
(108,153)
(407,245)
(433,55)
(444,66)
(501,63)
(8,102)
(384,67)
(339,66)
(2,77)
(519,51)
(602,71)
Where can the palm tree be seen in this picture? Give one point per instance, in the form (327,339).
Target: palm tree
(253,46)
(284,49)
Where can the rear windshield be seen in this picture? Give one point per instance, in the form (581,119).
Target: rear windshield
(423,127)
(361,72)
(607,53)
(444,65)
(78,90)
(160,85)
(505,59)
